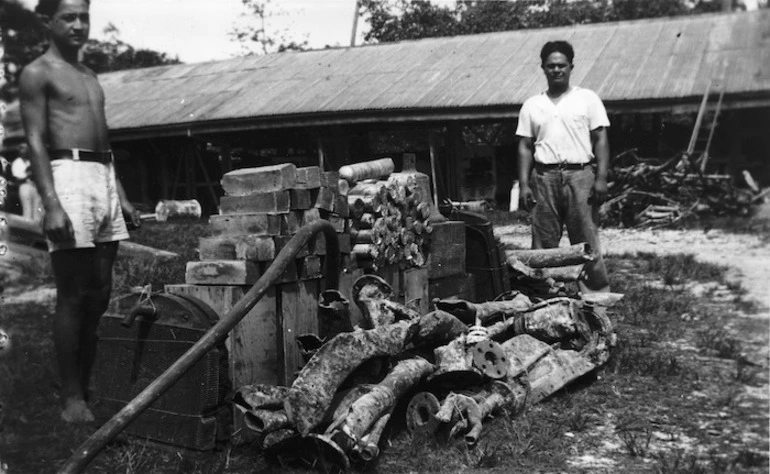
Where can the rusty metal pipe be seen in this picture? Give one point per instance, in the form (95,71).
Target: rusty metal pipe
(91,447)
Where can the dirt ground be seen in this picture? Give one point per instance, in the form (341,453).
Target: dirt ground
(744,414)
(704,419)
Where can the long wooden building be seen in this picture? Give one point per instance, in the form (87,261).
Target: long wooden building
(182,126)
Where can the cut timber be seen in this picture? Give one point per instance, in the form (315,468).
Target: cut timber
(256,223)
(556,257)
(291,222)
(300,199)
(341,207)
(222,272)
(312,392)
(275,202)
(246,181)
(324,199)
(331,180)
(238,247)
(367,170)
(308,177)
(566,273)
(298,314)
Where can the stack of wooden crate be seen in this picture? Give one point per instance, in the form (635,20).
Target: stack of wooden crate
(262,209)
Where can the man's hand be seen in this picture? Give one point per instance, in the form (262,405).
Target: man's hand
(57,225)
(599,192)
(131,215)
(526,198)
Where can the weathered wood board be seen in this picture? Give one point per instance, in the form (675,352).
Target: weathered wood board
(274,202)
(253,223)
(297,315)
(246,181)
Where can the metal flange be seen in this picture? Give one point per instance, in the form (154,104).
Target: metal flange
(490,359)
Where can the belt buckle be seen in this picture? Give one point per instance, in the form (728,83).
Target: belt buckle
(562,165)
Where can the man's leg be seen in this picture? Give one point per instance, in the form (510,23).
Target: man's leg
(547,215)
(583,226)
(97,301)
(73,274)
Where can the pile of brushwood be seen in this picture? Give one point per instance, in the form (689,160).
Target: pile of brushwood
(655,193)
(436,374)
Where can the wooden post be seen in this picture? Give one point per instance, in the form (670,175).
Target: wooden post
(433,165)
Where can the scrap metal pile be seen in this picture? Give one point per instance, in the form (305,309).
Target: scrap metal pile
(653,193)
(442,372)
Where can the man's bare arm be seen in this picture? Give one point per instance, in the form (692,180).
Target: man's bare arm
(602,153)
(526,196)
(133,219)
(32,91)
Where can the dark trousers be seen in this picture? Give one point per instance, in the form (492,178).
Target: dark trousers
(563,200)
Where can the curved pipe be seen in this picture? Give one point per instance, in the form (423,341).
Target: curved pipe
(91,447)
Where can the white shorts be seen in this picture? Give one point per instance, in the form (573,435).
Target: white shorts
(89,195)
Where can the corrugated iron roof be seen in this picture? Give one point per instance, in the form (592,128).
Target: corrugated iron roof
(669,59)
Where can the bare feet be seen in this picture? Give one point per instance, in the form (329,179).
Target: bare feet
(76,411)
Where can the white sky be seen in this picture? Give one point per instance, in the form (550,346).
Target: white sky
(197,30)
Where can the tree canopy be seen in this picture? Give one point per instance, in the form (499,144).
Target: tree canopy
(398,20)
(25,38)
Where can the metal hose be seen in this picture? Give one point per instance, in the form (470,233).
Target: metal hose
(93,445)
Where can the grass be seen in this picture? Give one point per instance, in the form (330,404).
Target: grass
(178,237)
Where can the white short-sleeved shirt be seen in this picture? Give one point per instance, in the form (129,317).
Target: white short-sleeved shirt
(562,132)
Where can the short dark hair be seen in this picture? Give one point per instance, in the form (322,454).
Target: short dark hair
(562,47)
(49,7)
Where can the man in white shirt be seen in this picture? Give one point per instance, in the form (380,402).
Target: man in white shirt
(563,136)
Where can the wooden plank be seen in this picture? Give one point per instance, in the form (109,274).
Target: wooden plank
(252,344)
(291,222)
(259,248)
(308,177)
(415,281)
(337,222)
(246,181)
(331,180)
(273,202)
(222,272)
(298,314)
(324,199)
(282,240)
(311,215)
(253,223)
(300,199)
(341,206)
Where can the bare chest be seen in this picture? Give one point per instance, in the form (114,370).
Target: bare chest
(74,90)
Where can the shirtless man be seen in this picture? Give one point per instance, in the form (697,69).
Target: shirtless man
(62,108)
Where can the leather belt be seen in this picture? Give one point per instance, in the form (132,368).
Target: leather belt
(77,154)
(562,166)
